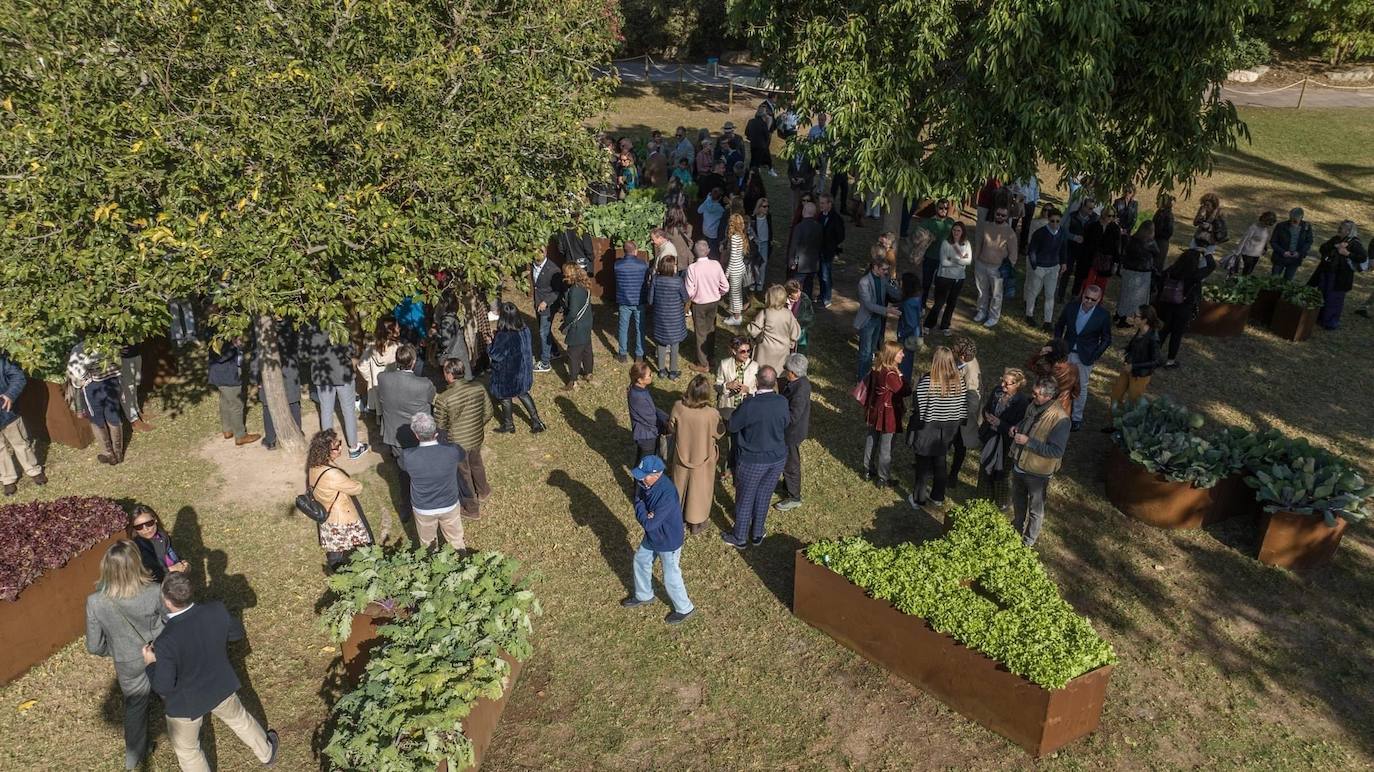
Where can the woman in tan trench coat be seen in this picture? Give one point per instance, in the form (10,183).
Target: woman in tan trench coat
(774,330)
(696,427)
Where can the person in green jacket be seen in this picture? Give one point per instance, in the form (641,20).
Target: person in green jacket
(938,227)
(462,411)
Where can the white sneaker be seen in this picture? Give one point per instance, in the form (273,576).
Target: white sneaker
(979,317)
(773,172)
(990,322)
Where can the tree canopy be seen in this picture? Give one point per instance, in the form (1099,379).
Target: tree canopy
(297,160)
(929,98)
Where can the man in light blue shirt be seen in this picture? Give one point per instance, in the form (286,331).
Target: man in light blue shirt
(712,212)
(1087,328)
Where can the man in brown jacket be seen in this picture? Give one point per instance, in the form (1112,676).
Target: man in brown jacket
(1038,447)
(462,411)
(992,243)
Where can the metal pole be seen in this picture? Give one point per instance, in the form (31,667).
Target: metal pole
(731,107)
(1302,92)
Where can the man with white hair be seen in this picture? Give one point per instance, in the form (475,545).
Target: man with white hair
(436,490)
(798,394)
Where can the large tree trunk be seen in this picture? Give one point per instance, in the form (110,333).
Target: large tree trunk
(892,214)
(289,436)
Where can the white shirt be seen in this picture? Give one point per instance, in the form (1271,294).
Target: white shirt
(539,268)
(174,614)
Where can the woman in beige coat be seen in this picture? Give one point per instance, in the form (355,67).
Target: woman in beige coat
(346,527)
(697,427)
(775,331)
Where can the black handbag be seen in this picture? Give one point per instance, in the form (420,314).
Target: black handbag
(310,506)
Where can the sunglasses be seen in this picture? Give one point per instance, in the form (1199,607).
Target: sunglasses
(1054,221)
(145,524)
(742,351)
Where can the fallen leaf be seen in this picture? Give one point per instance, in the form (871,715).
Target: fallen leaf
(327,649)
(27,705)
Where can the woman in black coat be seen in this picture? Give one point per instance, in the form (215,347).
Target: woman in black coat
(1182,291)
(1003,410)
(154,545)
(512,368)
(1342,257)
(577,326)
(1102,242)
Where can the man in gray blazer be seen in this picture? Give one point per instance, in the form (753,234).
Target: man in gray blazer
(876,290)
(400,395)
(804,248)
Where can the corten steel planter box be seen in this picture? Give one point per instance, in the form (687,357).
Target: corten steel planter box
(50,613)
(603,265)
(1262,310)
(1039,720)
(479,725)
(46,414)
(1150,498)
(1220,320)
(1298,541)
(1292,322)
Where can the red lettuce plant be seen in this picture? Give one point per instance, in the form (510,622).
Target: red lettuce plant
(43,535)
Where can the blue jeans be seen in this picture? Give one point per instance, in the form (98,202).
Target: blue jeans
(870,337)
(345,394)
(546,343)
(630,314)
(672,577)
(1287,271)
(826,264)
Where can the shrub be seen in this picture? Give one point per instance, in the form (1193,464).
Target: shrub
(1029,628)
(1240,291)
(1162,436)
(1249,52)
(43,535)
(1296,477)
(1302,296)
(464,612)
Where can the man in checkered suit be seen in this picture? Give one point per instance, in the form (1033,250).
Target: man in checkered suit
(759,427)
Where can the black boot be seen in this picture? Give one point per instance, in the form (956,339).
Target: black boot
(536,425)
(507,419)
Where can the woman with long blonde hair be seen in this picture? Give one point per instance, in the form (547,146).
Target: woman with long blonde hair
(941,406)
(736,267)
(883,411)
(122,616)
(775,330)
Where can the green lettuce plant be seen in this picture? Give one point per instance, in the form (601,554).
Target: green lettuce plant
(1162,436)
(634,218)
(462,613)
(1017,617)
(1296,477)
(1240,291)
(1301,295)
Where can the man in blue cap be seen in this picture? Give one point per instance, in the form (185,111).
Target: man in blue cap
(658,510)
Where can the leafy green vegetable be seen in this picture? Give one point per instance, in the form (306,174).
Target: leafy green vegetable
(1162,436)
(438,660)
(1029,627)
(632,218)
(1296,477)
(1240,291)
(1302,295)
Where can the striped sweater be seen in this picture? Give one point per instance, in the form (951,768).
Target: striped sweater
(932,406)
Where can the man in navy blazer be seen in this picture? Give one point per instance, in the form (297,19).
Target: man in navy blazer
(188,666)
(1087,328)
(759,426)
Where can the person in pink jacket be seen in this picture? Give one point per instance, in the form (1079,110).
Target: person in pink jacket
(705,284)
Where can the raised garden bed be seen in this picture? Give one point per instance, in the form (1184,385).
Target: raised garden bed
(1298,541)
(1293,322)
(47,574)
(44,408)
(1028,710)
(1154,500)
(1220,320)
(1262,310)
(410,619)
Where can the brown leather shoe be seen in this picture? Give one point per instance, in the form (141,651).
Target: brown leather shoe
(141,426)
(247,438)
(40,479)
(698,368)
(228,435)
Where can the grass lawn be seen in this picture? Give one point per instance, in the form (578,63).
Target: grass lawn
(1224,662)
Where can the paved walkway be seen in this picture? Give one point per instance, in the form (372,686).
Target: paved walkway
(1317,95)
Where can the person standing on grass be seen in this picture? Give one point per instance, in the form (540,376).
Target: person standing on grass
(1080,251)
(14,437)
(378,357)
(1037,452)
(761,245)
(966,362)
(736,267)
(512,376)
(696,427)
(660,514)
(226,375)
(759,427)
(683,149)
(122,616)
(705,283)
(955,256)
(832,243)
(938,226)
(941,405)
(1002,411)
(668,296)
(759,132)
(802,310)
(436,493)
(401,395)
(1251,246)
(1164,223)
(154,544)
(647,422)
(993,243)
(1181,294)
(1047,252)
(1141,357)
(883,412)
(909,323)
(662,246)
(462,411)
(876,290)
(188,666)
(712,211)
(577,325)
(1210,221)
(1342,256)
(774,330)
(804,248)
(546,288)
(345,527)
(130,379)
(631,280)
(1137,271)
(1086,329)
(797,391)
(331,376)
(1291,241)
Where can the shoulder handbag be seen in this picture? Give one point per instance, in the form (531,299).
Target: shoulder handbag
(309,506)
(860,392)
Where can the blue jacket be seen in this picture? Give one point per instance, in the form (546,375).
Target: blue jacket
(646,420)
(1281,238)
(225,368)
(512,365)
(12,381)
(1096,337)
(658,510)
(631,277)
(759,425)
(1049,249)
(668,296)
(433,484)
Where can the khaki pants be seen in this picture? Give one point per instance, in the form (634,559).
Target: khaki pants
(185,734)
(14,437)
(450,522)
(1127,387)
(473,472)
